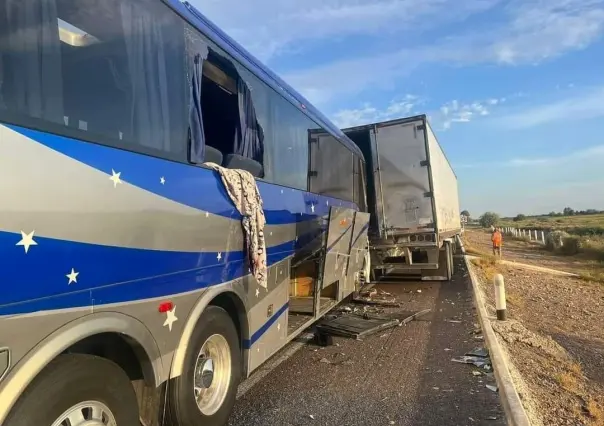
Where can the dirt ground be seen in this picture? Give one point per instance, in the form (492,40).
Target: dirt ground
(555,334)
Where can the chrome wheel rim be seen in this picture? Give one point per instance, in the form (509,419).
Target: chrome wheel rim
(212,374)
(88,413)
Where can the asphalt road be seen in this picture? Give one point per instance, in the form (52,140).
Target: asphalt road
(403,376)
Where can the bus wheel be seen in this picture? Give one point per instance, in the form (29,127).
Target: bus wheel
(77,390)
(204,394)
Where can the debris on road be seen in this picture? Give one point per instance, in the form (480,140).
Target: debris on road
(376,297)
(493,388)
(323,339)
(357,326)
(480,352)
(478,357)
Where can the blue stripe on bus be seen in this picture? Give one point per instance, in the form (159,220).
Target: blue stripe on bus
(247,344)
(37,280)
(191,185)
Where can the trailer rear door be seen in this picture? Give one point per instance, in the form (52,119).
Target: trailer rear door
(405,183)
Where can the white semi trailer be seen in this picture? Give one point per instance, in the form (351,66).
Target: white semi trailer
(412,197)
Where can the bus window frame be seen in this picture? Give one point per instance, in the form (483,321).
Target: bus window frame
(59,130)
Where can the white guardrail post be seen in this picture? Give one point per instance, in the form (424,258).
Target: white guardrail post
(500,297)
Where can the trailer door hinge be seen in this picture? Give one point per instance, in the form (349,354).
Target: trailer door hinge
(424,163)
(428,194)
(312,173)
(421,127)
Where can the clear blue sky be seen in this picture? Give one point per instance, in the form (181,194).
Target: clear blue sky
(514,89)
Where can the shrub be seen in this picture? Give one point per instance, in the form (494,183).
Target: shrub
(571,245)
(519,218)
(554,240)
(489,219)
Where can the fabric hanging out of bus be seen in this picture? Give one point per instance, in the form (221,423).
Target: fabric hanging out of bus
(243,192)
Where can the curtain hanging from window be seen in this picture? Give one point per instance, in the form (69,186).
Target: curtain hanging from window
(249,136)
(197,54)
(150,41)
(196,132)
(30,51)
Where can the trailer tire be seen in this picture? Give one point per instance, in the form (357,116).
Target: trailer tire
(449,255)
(212,365)
(367,271)
(81,386)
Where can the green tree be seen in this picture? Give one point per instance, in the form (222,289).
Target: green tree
(568,211)
(520,217)
(488,219)
(465,213)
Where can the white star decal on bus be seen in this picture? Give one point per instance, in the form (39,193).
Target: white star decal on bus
(73,276)
(115,178)
(170,318)
(27,240)
(312,208)
(162,180)
(257,292)
(219,256)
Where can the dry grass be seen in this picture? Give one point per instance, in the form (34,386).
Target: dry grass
(575,367)
(595,411)
(515,299)
(567,381)
(594,277)
(559,222)
(489,266)
(570,379)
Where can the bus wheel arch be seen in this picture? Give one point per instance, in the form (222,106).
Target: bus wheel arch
(232,304)
(206,389)
(121,349)
(74,338)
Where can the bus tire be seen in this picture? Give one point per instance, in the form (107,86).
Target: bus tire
(84,387)
(211,373)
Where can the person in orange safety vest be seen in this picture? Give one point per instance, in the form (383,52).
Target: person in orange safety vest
(497,240)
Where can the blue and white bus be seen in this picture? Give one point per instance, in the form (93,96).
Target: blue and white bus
(123,256)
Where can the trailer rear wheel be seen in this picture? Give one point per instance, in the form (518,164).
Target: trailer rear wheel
(77,390)
(204,394)
(449,257)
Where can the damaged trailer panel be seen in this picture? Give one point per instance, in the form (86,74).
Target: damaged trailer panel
(412,196)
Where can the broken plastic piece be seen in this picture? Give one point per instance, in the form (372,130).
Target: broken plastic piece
(481,352)
(493,388)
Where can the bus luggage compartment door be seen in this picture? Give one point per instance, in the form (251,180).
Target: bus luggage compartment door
(337,247)
(358,251)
